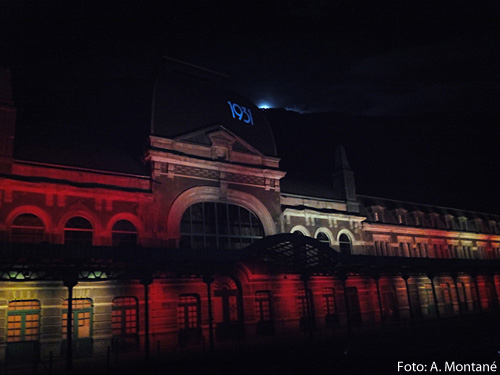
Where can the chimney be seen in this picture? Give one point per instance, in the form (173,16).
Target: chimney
(343,180)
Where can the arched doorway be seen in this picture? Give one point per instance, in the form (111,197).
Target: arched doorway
(228,311)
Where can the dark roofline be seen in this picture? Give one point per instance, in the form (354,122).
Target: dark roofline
(83,169)
(295,195)
(192,66)
(322,210)
(425,204)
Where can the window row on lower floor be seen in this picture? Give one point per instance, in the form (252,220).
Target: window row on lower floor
(24,316)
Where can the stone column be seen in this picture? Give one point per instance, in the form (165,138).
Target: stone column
(494,291)
(434,295)
(69,282)
(146,280)
(480,306)
(405,277)
(455,280)
(343,277)
(376,277)
(309,308)
(209,279)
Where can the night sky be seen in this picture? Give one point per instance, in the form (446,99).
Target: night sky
(417,81)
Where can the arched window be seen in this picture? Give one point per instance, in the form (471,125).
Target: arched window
(345,244)
(214,225)
(27,228)
(124,233)
(78,230)
(323,237)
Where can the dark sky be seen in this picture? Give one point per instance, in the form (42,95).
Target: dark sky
(362,57)
(93,64)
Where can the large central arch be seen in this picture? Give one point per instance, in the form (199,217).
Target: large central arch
(214,194)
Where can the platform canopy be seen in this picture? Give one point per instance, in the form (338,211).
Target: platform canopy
(282,253)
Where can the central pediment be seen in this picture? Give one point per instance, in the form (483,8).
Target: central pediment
(215,143)
(219,138)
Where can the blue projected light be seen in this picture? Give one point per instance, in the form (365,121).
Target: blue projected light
(264,105)
(242,113)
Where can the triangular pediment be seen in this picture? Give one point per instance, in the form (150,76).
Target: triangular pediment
(218,135)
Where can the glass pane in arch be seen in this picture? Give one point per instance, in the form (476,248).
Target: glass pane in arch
(323,237)
(78,230)
(124,232)
(27,228)
(219,225)
(78,222)
(345,244)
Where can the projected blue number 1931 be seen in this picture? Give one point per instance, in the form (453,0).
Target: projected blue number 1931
(242,113)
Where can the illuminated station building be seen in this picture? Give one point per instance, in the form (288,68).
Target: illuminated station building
(204,241)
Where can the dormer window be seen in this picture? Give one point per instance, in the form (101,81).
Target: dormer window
(493,227)
(418,218)
(400,216)
(479,225)
(462,223)
(449,222)
(434,220)
(377,213)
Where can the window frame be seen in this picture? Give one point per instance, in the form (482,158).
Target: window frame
(185,319)
(23,313)
(119,312)
(74,240)
(342,244)
(19,232)
(263,306)
(76,318)
(227,230)
(123,237)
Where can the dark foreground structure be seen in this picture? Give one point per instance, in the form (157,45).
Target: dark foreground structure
(204,245)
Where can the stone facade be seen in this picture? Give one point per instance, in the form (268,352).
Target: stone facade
(81,234)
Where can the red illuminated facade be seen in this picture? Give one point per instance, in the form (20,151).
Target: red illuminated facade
(210,244)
